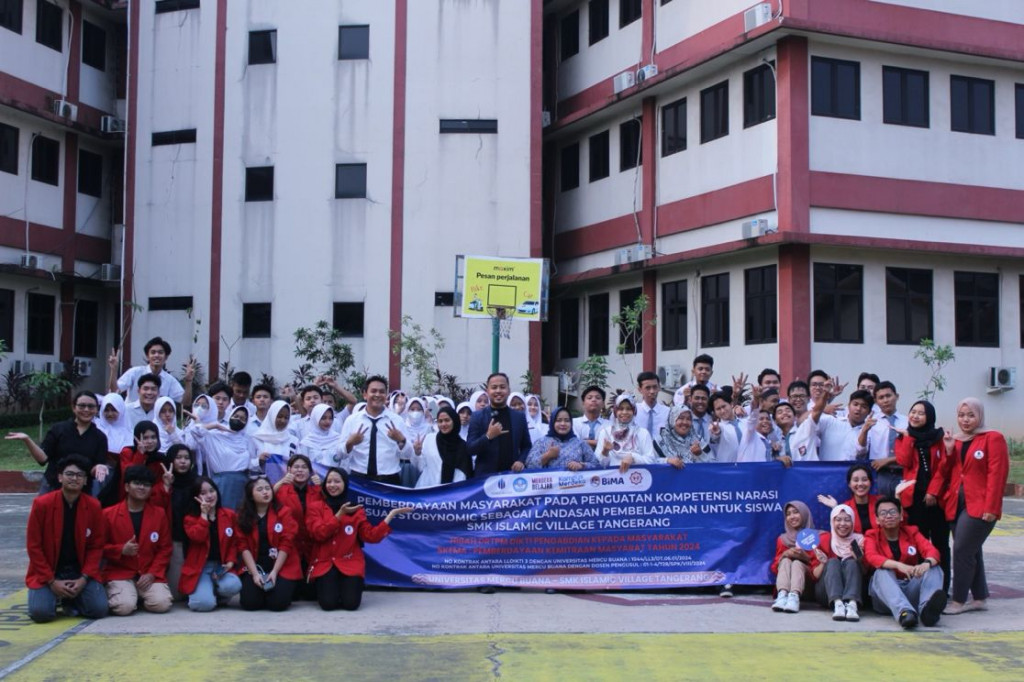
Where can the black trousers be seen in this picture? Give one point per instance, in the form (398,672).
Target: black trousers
(932,523)
(255,598)
(335,590)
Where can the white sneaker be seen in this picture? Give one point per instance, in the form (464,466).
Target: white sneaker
(780,601)
(851,612)
(792,603)
(839,612)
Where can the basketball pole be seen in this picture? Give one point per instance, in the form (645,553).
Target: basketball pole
(495,343)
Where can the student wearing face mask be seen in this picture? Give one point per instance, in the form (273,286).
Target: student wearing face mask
(229,454)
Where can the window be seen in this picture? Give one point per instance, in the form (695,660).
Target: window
(350,181)
(348,318)
(40,321)
(761,313)
(169,137)
(159,303)
(263,47)
(353,42)
(163,6)
(46,160)
(256,320)
(1019,93)
(714,112)
(972,104)
(838,303)
(673,127)
(86,343)
(259,183)
(758,95)
(673,315)
(569,34)
(8,149)
(469,125)
(976,298)
(908,305)
(905,97)
(629,144)
(631,342)
(569,328)
(599,156)
(598,21)
(49,26)
(90,173)
(598,321)
(629,11)
(10,14)
(714,303)
(569,168)
(1021,313)
(7,317)
(444,299)
(835,88)
(94,46)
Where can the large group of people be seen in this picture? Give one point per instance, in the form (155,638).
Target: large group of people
(139,506)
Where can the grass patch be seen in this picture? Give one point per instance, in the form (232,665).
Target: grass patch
(1016,447)
(13,454)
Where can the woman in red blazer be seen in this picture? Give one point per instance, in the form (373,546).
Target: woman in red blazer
(338,528)
(267,542)
(211,550)
(296,490)
(974,475)
(858,478)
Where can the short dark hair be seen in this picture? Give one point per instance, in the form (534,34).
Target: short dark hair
(863,395)
(218,387)
(768,371)
(262,387)
(145,425)
(718,395)
(157,341)
(149,378)
(705,359)
(783,403)
(298,456)
(496,374)
(242,379)
(310,388)
(887,499)
(139,472)
(797,384)
(881,385)
(859,466)
(86,394)
(588,389)
(73,460)
(817,373)
(868,375)
(701,387)
(646,376)
(374,379)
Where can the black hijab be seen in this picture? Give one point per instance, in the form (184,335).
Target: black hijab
(551,427)
(451,447)
(929,434)
(335,501)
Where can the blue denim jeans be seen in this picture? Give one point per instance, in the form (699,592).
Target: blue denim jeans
(890,594)
(91,602)
(209,593)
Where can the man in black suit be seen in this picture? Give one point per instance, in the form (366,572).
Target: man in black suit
(498,435)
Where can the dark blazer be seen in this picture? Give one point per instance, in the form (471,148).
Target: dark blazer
(486,451)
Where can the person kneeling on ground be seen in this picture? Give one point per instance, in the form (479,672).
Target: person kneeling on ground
(208,576)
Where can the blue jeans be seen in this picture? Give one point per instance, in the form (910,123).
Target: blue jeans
(232,487)
(209,593)
(91,602)
(890,594)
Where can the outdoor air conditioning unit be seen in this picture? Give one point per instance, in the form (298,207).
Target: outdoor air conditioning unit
(633,254)
(1002,378)
(83,367)
(112,124)
(30,262)
(65,109)
(22,367)
(545,119)
(758,15)
(53,367)
(671,376)
(646,71)
(626,79)
(758,227)
(110,272)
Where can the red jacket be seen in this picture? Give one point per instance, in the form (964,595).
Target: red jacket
(852,504)
(44,532)
(982,475)
(914,547)
(287,496)
(154,544)
(281,531)
(336,540)
(780,547)
(197,531)
(906,457)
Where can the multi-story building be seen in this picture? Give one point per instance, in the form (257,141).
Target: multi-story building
(799,184)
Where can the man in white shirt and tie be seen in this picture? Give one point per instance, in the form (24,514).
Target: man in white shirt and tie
(882,438)
(650,414)
(589,425)
(373,438)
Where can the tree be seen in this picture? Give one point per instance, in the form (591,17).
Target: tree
(935,358)
(323,349)
(48,387)
(419,351)
(632,329)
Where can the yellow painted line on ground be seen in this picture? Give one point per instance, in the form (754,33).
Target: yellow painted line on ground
(19,636)
(1009,526)
(931,656)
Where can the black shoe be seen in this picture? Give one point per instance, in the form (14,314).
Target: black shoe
(932,609)
(908,620)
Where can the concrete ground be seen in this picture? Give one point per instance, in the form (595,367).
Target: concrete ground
(517,635)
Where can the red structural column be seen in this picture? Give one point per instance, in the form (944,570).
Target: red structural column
(69,216)
(397,189)
(648,137)
(131,138)
(217,197)
(793,181)
(794,311)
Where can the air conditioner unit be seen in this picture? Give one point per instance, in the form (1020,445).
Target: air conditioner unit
(545,119)
(755,228)
(626,79)
(633,254)
(646,71)
(30,262)
(22,367)
(758,15)
(110,272)
(112,124)
(53,367)
(65,109)
(1002,378)
(83,367)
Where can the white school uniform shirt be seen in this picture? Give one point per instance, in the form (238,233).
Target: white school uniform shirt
(388,452)
(803,442)
(169,386)
(754,447)
(727,445)
(643,453)
(660,416)
(679,397)
(224,451)
(581,427)
(878,436)
(837,440)
(135,413)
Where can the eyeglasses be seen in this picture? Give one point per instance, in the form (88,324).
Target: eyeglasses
(886,513)
(797,396)
(86,406)
(74,474)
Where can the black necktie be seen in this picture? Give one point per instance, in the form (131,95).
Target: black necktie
(371,467)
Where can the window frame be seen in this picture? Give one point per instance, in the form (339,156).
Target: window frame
(598,9)
(759,95)
(761,305)
(634,344)
(86,341)
(7,317)
(674,312)
(358,52)
(970,125)
(569,328)
(10,148)
(976,302)
(257,320)
(356,181)
(569,35)
(166,138)
(468,126)
(256,180)
(258,47)
(51,155)
(629,12)
(900,332)
(832,108)
(356,309)
(45,34)
(90,179)
(714,309)
(598,323)
(94,45)
(832,298)
(677,111)
(630,144)
(599,146)
(569,174)
(714,119)
(903,117)
(12,17)
(36,322)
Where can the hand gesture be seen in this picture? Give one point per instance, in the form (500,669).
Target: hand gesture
(869,422)
(205,508)
(755,395)
(355,438)
(948,441)
(518,466)
(112,359)
(695,449)
(417,445)
(686,394)
(738,384)
(827,500)
(288,479)
(607,447)
(903,485)
(495,429)
(17,435)
(348,509)
(100,472)
(396,512)
(393,432)
(550,454)
(900,432)
(837,388)
(625,463)
(168,476)
(716,428)
(190,369)
(315,479)
(677,462)
(130,548)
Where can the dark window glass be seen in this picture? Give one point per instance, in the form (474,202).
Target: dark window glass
(569,169)
(598,321)
(569,34)
(444,298)
(163,6)
(972,105)
(673,127)
(263,47)
(976,297)
(714,304)
(758,95)
(673,315)
(599,156)
(761,312)
(1019,95)
(629,11)
(40,321)
(908,305)
(259,183)
(8,149)
(49,25)
(714,112)
(94,46)
(598,19)
(90,173)
(169,137)
(350,181)
(158,303)
(838,303)
(469,125)
(835,88)
(353,42)
(569,328)
(87,329)
(10,14)
(7,317)
(1021,311)
(348,318)
(627,297)
(256,320)
(629,144)
(46,160)
(905,97)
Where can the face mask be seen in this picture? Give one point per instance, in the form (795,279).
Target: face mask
(199,411)
(415,418)
(236,424)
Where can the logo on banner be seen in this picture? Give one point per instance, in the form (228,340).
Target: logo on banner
(501,483)
(636,478)
(520,485)
(542,483)
(569,482)
(595,481)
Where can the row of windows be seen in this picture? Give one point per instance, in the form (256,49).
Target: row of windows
(597,21)
(838,309)
(353,43)
(50,30)
(40,324)
(45,161)
(349,182)
(348,319)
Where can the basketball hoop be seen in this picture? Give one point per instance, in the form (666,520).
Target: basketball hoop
(503,314)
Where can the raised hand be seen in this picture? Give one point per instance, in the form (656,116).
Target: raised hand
(355,438)
(495,429)
(396,512)
(394,433)
(130,548)
(348,509)
(417,445)
(168,476)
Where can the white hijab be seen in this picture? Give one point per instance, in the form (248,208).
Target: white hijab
(317,438)
(424,427)
(119,434)
(268,431)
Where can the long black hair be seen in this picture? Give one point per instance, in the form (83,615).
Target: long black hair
(193,506)
(247,515)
